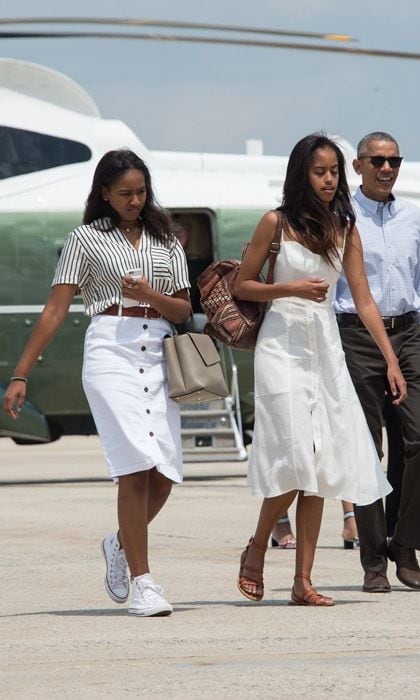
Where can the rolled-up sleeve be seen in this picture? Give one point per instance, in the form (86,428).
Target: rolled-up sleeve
(179,267)
(72,267)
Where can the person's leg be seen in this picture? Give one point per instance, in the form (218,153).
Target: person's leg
(349,533)
(159,489)
(133,507)
(372,533)
(282,535)
(308,522)
(250,581)
(407,532)
(140,498)
(406,539)
(367,369)
(395,466)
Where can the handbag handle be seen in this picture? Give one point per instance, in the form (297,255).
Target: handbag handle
(275,247)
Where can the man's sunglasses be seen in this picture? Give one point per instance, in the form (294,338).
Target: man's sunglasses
(379,161)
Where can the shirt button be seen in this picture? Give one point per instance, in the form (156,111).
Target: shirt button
(145,326)
(146,389)
(147,410)
(143,347)
(151,434)
(141,371)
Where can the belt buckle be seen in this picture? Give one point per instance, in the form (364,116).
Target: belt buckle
(146,312)
(393,322)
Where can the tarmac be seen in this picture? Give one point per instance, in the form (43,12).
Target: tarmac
(62,637)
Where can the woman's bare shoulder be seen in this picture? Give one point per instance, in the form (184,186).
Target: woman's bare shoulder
(266,226)
(271,217)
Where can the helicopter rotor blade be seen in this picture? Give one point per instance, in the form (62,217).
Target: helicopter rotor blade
(175,25)
(213,40)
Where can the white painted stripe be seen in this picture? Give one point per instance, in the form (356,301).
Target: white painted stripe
(17,309)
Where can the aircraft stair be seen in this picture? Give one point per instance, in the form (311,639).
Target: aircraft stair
(212,430)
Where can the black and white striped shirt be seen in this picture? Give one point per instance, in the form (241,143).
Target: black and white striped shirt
(96,256)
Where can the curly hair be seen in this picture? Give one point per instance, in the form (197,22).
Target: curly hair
(111,166)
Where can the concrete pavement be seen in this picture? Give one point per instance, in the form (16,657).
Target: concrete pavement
(61,636)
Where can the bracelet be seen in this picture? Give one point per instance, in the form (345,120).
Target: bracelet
(19,379)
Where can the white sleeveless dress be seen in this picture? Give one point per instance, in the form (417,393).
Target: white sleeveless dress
(310,431)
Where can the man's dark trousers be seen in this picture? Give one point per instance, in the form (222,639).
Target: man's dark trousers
(367,368)
(395,466)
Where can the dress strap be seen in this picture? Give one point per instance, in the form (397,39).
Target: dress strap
(275,246)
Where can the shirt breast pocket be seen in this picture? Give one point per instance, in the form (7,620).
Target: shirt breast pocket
(162,271)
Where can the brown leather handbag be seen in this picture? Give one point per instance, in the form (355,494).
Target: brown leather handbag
(234,322)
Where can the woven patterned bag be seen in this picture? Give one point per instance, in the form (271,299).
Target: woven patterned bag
(234,322)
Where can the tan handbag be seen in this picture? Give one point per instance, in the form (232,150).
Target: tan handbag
(194,369)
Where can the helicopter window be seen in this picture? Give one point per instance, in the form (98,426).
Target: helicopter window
(195,234)
(25,152)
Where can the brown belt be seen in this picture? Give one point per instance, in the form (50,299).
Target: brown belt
(142,311)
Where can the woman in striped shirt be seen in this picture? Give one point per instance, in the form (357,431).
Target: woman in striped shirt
(132,274)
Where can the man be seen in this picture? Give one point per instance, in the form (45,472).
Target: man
(390,232)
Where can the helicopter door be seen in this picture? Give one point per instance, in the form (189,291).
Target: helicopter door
(195,234)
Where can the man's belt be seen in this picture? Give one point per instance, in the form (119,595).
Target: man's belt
(391,323)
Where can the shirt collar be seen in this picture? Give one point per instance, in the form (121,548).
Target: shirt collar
(372,206)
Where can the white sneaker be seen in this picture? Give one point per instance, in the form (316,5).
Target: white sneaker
(116,580)
(147,599)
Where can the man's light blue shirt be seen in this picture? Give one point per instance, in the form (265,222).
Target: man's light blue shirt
(390,233)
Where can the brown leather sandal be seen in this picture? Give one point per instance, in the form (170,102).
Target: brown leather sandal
(256,577)
(311,596)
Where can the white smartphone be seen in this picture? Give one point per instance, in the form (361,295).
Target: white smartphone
(135,274)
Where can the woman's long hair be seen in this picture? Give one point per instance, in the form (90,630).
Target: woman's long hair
(304,212)
(111,166)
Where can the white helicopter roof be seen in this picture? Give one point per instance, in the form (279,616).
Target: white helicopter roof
(180,179)
(45,84)
(37,99)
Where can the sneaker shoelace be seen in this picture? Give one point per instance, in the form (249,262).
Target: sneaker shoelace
(118,568)
(148,591)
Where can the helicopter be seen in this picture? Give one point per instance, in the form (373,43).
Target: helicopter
(51,137)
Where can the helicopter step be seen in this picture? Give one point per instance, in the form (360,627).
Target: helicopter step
(210,432)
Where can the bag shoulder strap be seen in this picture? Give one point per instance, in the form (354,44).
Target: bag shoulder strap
(275,246)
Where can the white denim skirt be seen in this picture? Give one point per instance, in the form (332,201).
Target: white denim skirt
(124,378)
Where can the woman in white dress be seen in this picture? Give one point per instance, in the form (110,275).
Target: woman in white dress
(132,274)
(311,440)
